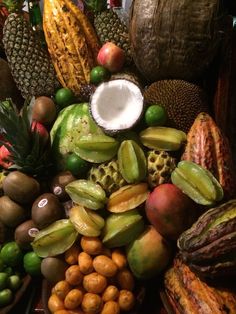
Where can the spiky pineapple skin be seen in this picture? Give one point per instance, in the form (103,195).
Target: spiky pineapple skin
(109,27)
(108,176)
(160,165)
(30,64)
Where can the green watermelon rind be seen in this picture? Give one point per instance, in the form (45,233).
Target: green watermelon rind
(71,123)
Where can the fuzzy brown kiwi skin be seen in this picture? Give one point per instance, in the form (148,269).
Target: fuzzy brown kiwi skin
(58,183)
(20,187)
(46,209)
(23,236)
(44,110)
(11,213)
(53,269)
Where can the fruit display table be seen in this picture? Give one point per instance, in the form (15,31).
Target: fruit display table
(117,157)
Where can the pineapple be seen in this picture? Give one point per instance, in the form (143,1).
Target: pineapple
(26,149)
(30,64)
(109,27)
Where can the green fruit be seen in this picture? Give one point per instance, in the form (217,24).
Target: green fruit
(3,280)
(155,115)
(14,282)
(99,74)
(149,254)
(72,123)
(2,265)
(11,254)
(8,270)
(76,165)
(122,228)
(6,297)
(64,97)
(32,263)
(55,239)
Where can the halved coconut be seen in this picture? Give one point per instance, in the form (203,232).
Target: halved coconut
(117,105)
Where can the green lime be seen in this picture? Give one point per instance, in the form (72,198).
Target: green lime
(76,165)
(155,115)
(6,297)
(99,74)
(64,97)
(3,280)
(14,282)
(11,254)
(32,263)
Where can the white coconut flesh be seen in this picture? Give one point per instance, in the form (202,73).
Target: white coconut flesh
(117,105)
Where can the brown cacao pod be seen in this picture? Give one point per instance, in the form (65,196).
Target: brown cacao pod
(209,148)
(209,246)
(185,293)
(174,39)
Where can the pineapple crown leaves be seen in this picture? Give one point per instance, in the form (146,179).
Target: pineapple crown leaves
(27,149)
(13,6)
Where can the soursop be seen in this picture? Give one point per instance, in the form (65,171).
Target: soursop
(160,165)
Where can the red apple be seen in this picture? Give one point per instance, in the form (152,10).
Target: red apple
(170,211)
(111,57)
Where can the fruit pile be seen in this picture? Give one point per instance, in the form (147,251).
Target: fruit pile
(97,279)
(113,169)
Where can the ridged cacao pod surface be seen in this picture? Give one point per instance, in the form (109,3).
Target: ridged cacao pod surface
(174,39)
(185,293)
(209,148)
(209,246)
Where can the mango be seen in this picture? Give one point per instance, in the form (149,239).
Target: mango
(170,211)
(149,254)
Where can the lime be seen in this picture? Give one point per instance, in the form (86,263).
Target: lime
(155,115)
(32,263)
(99,74)
(3,280)
(11,254)
(76,165)
(6,297)
(64,97)
(14,282)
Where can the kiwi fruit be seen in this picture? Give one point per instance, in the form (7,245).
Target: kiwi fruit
(44,110)
(46,209)
(24,234)
(11,213)
(53,269)
(20,187)
(58,183)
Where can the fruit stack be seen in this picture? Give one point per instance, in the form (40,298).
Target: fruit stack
(114,171)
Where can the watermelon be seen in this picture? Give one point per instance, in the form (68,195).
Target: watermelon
(73,123)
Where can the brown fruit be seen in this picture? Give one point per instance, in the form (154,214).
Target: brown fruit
(11,213)
(58,184)
(186,293)
(44,110)
(208,147)
(20,187)
(182,100)
(161,44)
(24,234)
(46,209)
